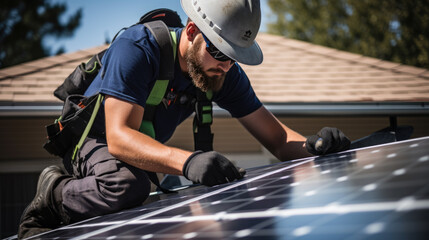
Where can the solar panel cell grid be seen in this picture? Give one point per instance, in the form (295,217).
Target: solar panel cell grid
(380,192)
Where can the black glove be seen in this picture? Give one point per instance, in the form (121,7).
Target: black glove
(210,168)
(328,140)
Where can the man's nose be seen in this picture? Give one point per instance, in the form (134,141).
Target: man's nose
(225,65)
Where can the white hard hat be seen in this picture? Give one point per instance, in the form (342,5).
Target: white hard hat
(231,25)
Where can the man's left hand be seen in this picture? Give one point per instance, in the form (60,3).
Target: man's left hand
(328,140)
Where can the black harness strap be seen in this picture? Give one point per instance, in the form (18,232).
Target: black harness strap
(203,136)
(154,179)
(162,36)
(202,104)
(166,72)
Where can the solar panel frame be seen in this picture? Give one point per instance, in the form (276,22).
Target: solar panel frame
(376,192)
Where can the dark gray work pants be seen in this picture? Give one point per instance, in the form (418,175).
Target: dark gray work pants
(102,183)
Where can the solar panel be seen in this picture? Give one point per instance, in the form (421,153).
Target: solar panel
(380,192)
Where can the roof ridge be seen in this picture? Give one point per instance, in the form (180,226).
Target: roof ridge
(349,56)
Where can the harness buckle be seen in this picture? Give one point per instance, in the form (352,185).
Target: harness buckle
(170,98)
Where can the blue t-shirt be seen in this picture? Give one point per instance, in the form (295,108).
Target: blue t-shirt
(130,69)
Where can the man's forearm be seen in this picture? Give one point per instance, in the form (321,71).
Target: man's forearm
(126,143)
(293,146)
(140,150)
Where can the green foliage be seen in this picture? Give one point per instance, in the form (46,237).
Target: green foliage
(395,30)
(25,23)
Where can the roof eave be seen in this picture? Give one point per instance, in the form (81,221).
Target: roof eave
(278,109)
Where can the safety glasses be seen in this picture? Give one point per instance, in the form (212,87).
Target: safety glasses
(214,52)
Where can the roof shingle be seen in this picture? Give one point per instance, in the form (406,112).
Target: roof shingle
(293,71)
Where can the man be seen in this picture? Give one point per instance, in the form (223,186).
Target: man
(111,175)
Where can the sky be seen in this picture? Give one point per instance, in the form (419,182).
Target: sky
(102,19)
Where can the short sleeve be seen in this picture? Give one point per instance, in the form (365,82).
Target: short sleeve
(129,70)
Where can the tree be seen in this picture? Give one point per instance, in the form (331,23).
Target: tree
(396,30)
(24,25)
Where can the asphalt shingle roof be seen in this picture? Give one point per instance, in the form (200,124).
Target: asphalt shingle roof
(292,72)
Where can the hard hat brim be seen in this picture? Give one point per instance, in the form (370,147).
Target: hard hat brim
(246,55)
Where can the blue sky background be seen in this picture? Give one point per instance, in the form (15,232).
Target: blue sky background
(101,19)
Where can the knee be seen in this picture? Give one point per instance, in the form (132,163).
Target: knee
(127,188)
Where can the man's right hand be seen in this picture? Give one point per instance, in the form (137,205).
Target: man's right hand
(210,168)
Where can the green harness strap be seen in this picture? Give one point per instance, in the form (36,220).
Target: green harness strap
(155,97)
(202,120)
(100,99)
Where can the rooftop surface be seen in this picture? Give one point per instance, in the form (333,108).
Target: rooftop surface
(292,72)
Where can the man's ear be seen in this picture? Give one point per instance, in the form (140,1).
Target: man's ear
(191,31)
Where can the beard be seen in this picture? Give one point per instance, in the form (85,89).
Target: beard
(195,70)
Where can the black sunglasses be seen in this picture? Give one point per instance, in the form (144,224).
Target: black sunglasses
(214,52)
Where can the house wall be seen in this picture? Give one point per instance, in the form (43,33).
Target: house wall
(22,139)
(231,137)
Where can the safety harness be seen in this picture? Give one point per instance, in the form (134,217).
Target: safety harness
(58,139)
